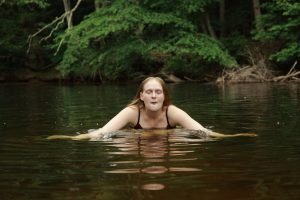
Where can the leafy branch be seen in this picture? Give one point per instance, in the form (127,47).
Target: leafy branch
(57,22)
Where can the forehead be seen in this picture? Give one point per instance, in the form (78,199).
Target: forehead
(152,84)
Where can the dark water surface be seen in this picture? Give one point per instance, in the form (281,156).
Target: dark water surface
(176,165)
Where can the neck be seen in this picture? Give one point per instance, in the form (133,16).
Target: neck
(153,114)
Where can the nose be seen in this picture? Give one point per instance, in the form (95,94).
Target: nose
(153,94)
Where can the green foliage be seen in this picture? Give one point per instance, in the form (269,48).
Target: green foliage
(17,19)
(125,38)
(40,3)
(178,7)
(192,53)
(236,44)
(291,51)
(281,22)
(13,38)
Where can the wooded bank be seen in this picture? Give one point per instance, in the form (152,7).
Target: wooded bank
(121,40)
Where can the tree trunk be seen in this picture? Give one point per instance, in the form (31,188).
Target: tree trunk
(101,4)
(257,14)
(209,26)
(222,18)
(67,5)
(203,27)
(97,5)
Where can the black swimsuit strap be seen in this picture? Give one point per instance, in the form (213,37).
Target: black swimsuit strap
(169,126)
(167,116)
(138,126)
(138,122)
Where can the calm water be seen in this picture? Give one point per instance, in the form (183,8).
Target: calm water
(176,165)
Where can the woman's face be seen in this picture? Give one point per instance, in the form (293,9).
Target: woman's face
(152,95)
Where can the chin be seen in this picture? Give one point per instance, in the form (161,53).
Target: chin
(155,107)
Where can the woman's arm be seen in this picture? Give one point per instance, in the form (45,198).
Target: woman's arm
(180,117)
(124,117)
(221,135)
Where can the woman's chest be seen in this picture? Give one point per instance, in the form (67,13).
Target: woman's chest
(153,123)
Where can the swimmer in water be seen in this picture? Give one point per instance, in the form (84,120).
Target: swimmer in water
(151,108)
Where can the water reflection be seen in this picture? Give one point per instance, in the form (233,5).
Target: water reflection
(264,168)
(156,151)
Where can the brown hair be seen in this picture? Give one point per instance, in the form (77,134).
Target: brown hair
(138,102)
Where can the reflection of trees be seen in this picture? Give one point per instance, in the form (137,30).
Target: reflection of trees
(155,152)
(261,104)
(87,107)
(27,108)
(45,108)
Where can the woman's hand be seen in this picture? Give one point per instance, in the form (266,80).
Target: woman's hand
(59,137)
(221,135)
(68,137)
(245,134)
(86,136)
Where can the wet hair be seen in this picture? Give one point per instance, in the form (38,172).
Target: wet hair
(136,101)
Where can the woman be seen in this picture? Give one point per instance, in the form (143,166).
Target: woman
(151,108)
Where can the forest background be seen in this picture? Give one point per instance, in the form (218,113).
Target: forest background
(125,40)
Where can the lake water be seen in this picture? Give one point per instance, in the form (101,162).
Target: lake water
(175,165)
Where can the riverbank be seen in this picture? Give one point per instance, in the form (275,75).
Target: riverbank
(26,75)
(53,75)
(245,74)
(258,73)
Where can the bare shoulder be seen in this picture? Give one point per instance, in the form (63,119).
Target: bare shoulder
(131,108)
(131,112)
(174,110)
(175,113)
(181,118)
(126,116)
(178,115)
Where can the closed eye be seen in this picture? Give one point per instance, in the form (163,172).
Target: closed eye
(156,91)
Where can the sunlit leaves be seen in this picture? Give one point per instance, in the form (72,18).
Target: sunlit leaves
(127,37)
(281,22)
(40,3)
